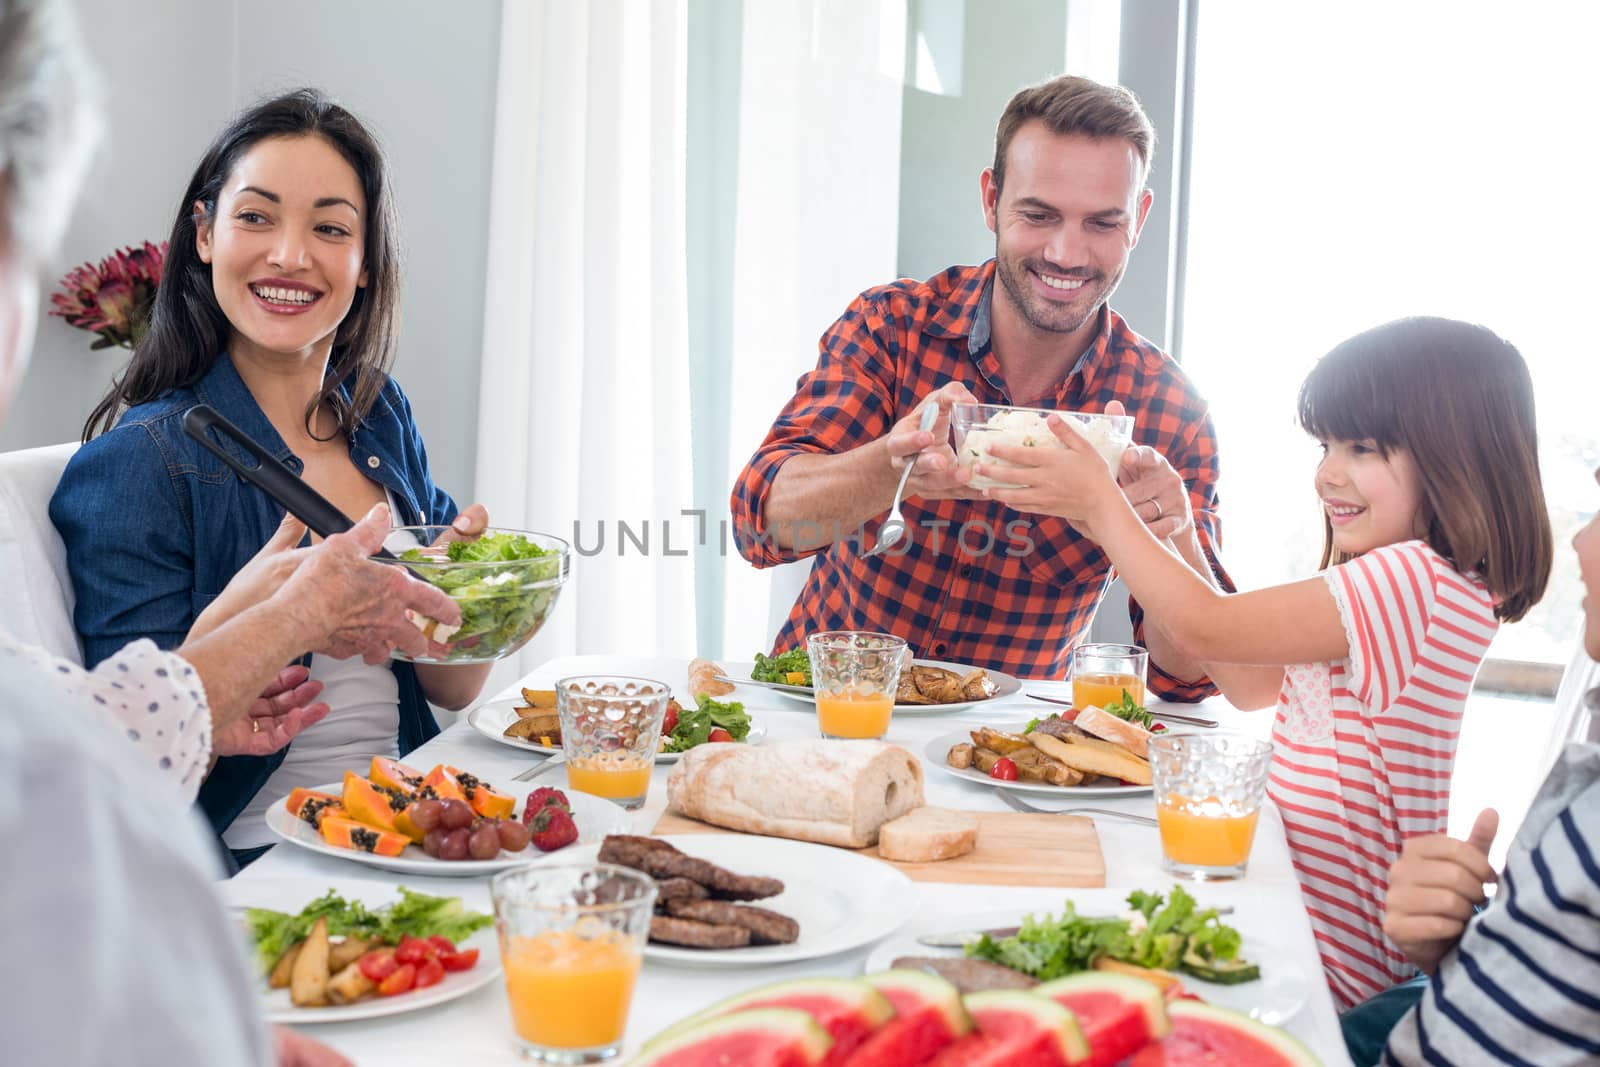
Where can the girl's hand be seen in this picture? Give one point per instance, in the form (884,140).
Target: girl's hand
(1156,492)
(469,523)
(1071,482)
(283,710)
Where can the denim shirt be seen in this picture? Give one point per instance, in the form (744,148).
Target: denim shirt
(155,526)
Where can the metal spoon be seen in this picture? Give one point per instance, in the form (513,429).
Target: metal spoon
(894,527)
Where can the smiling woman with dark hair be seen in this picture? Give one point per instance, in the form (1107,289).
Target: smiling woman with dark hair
(278,308)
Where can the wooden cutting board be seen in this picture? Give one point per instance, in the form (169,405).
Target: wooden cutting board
(1014,848)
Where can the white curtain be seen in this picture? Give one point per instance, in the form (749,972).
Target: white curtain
(817,221)
(584,396)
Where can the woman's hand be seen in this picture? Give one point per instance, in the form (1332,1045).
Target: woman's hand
(1434,888)
(1157,493)
(1072,482)
(469,524)
(292,1049)
(283,710)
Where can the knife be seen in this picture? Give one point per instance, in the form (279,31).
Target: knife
(802,690)
(1155,713)
(963,938)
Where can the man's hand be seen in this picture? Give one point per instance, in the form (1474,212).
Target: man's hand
(283,710)
(935,476)
(351,605)
(1156,492)
(1433,889)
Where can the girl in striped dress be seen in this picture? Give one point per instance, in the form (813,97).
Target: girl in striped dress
(1435,531)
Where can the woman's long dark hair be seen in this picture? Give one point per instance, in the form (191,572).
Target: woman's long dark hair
(188,328)
(1459,400)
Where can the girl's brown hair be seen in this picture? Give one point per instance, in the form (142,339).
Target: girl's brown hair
(1459,401)
(188,329)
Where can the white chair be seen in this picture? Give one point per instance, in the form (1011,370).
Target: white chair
(35,591)
(1577,705)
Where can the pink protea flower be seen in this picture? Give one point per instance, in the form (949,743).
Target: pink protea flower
(114,298)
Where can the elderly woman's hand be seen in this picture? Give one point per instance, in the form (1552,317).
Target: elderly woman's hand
(348,604)
(282,711)
(257,580)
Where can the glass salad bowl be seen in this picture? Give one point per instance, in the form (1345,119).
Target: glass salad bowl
(505,581)
(977,427)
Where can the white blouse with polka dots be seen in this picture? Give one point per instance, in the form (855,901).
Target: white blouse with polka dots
(155,697)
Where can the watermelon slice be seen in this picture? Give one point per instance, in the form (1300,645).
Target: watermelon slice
(1119,1015)
(768,1037)
(1205,1034)
(1037,1032)
(847,1009)
(928,1017)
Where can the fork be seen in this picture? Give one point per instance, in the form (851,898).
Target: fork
(539,768)
(1019,804)
(894,527)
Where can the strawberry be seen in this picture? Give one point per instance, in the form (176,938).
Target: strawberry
(552,828)
(544,797)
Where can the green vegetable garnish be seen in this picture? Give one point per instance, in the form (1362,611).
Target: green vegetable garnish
(1174,929)
(504,589)
(776,668)
(1131,710)
(1028,729)
(417,914)
(695,724)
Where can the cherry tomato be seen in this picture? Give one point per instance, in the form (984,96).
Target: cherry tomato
(1004,770)
(719,734)
(442,945)
(669,721)
(464,960)
(414,950)
(378,964)
(401,981)
(430,973)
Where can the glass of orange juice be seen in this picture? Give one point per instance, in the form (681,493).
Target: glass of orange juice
(1100,673)
(571,940)
(1208,794)
(854,675)
(610,730)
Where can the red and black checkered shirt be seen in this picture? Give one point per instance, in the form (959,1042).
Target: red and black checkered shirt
(976,582)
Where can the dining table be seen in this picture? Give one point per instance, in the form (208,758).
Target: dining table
(1266,903)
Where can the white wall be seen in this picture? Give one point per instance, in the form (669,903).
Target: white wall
(422,74)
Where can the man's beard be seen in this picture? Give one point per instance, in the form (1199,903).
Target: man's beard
(1049,317)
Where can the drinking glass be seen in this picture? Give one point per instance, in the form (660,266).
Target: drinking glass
(854,676)
(571,940)
(610,730)
(1100,673)
(1208,792)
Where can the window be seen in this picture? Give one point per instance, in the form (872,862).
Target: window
(1356,163)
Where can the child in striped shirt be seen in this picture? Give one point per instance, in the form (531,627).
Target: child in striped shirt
(1435,530)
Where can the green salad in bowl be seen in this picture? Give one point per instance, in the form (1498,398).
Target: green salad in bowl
(505,581)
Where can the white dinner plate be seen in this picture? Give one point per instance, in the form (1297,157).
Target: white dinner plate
(1274,999)
(491,720)
(284,895)
(841,900)
(596,817)
(1006,686)
(936,750)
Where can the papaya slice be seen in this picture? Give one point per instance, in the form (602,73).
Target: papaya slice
(373,804)
(311,806)
(485,799)
(443,783)
(344,832)
(392,774)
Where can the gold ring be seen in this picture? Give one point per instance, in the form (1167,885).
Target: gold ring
(1157,505)
(255,726)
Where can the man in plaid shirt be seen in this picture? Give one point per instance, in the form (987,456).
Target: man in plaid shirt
(974,581)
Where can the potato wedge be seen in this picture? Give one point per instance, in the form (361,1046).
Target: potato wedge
(959,756)
(1090,755)
(279,978)
(342,954)
(535,728)
(349,984)
(999,741)
(540,698)
(308,978)
(1032,766)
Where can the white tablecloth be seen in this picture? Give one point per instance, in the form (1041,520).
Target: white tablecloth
(477,1028)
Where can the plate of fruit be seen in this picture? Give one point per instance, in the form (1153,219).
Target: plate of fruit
(445,822)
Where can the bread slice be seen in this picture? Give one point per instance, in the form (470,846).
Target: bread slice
(928,834)
(1107,727)
(1093,756)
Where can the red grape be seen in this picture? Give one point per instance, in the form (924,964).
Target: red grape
(454,845)
(431,841)
(426,814)
(484,844)
(456,815)
(513,835)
